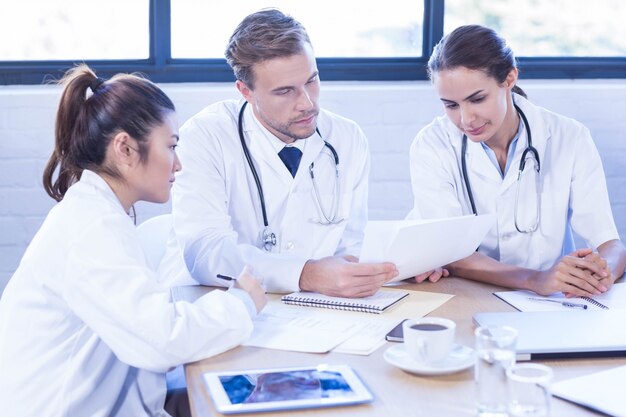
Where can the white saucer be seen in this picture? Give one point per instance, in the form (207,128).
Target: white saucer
(460,358)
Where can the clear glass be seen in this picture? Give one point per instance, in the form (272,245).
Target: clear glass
(345,29)
(74,30)
(529,390)
(495,351)
(556,28)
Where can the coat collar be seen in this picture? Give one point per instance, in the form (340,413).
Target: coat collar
(479,164)
(261,143)
(92,179)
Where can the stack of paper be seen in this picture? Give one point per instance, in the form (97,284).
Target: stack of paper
(522,300)
(418,246)
(304,329)
(601,391)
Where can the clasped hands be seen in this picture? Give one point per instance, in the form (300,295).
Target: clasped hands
(581,273)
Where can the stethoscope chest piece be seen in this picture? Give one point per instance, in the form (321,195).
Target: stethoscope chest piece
(268,239)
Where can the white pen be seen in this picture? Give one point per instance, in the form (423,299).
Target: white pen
(563,303)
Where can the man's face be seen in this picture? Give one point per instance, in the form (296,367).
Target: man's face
(285,98)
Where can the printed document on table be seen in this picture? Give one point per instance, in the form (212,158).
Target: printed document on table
(318,330)
(418,246)
(300,329)
(613,299)
(602,391)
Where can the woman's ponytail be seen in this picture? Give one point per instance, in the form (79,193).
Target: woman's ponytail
(70,126)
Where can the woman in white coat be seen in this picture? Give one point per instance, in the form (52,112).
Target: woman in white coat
(86,330)
(468,162)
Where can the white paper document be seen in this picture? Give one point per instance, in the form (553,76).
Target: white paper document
(300,330)
(418,246)
(319,330)
(613,299)
(602,391)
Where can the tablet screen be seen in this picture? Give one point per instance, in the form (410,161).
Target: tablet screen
(286,388)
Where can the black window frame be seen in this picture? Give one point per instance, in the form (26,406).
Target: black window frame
(162,68)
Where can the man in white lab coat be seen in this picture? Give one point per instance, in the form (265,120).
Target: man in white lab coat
(297,219)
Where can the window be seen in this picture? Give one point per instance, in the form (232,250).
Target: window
(352,29)
(33,30)
(184,40)
(555,28)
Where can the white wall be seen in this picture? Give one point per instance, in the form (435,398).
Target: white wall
(390,113)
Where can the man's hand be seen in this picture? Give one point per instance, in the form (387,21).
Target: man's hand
(345,277)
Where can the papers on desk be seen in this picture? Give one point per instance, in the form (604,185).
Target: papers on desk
(304,329)
(317,330)
(278,327)
(522,300)
(418,246)
(601,391)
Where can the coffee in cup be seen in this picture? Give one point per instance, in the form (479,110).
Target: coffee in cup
(429,339)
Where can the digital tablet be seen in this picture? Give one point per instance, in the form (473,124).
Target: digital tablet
(285,388)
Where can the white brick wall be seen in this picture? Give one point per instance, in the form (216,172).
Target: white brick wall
(390,114)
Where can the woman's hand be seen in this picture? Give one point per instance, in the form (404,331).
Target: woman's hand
(581,273)
(432,276)
(253,286)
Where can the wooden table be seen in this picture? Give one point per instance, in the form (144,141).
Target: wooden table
(396,392)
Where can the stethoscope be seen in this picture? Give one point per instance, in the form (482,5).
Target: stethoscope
(531,153)
(268,238)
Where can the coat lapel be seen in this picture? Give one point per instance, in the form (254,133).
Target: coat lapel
(540,136)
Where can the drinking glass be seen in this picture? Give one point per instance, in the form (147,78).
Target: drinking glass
(495,350)
(529,390)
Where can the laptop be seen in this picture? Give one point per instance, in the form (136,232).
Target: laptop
(563,334)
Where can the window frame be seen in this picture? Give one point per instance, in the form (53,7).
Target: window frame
(160,67)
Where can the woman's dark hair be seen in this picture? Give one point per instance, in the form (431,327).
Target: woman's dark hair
(474,47)
(86,123)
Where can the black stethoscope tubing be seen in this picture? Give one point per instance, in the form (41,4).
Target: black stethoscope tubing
(255,174)
(529,149)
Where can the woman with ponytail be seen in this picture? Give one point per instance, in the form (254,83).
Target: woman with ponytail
(85,328)
(538,172)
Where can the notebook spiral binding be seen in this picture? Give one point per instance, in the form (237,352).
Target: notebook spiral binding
(595,303)
(333,305)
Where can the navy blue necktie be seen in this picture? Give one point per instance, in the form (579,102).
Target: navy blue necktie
(291,158)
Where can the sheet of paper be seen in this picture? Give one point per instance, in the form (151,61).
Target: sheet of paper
(372,336)
(310,329)
(300,330)
(522,300)
(368,339)
(602,391)
(418,246)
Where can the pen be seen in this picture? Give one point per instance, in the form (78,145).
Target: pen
(227,278)
(563,303)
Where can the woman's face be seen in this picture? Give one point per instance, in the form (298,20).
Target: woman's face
(476,103)
(155,176)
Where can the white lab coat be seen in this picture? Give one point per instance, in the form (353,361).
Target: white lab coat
(216,208)
(573,187)
(85,329)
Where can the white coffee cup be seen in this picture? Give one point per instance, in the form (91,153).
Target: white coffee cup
(429,339)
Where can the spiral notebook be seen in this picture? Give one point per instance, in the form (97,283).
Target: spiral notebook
(522,300)
(376,303)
